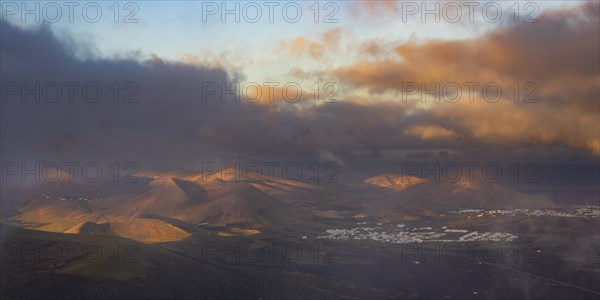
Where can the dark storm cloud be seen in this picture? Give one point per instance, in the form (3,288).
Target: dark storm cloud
(171,126)
(161,125)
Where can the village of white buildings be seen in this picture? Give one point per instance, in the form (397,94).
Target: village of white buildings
(586,212)
(402,235)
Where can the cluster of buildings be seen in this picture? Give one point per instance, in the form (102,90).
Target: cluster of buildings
(586,212)
(402,235)
(488,236)
(69,198)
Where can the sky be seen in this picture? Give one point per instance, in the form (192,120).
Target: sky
(186,28)
(371,77)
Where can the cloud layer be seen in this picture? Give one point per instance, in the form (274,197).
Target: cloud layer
(176,122)
(554,61)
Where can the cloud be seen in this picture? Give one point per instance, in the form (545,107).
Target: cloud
(276,93)
(374,7)
(302,45)
(556,60)
(176,123)
(159,127)
(431,132)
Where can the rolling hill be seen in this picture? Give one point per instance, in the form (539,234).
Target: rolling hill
(476,193)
